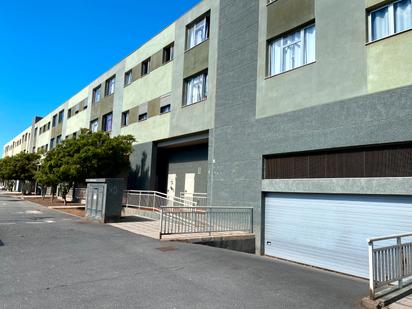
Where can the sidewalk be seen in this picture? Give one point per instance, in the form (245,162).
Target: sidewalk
(404,303)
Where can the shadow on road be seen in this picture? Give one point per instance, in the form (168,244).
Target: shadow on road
(132,219)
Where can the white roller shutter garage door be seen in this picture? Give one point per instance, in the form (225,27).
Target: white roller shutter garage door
(330,231)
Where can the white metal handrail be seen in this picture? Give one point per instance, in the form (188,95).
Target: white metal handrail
(189,220)
(199,198)
(390,265)
(153,200)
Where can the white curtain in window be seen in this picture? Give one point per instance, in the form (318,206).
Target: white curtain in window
(111,86)
(191,37)
(198,33)
(109,122)
(195,89)
(275,50)
(380,24)
(310,45)
(403,15)
(94,126)
(292,51)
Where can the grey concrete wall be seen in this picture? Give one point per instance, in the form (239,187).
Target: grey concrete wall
(196,59)
(141,164)
(340,70)
(298,12)
(374,186)
(239,139)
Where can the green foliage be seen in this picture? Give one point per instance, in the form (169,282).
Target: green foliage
(22,166)
(91,155)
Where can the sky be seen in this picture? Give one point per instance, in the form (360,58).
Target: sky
(50,50)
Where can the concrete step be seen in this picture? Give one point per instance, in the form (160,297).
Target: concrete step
(395,300)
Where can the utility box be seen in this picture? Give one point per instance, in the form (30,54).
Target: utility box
(104,199)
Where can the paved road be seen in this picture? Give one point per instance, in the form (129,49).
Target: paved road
(53,260)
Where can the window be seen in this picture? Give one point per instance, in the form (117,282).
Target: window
(168,53)
(107,122)
(165,109)
(77,108)
(51,143)
(197,32)
(58,140)
(196,89)
(69,113)
(145,67)
(74,135)
(61,116)
(125,118)
(41,130)
(292,51)
(390,19)
(128,78)
(54,122)
(94,125)
(96,94)
(110,83)
(85,104)
(143,117)
(48,126)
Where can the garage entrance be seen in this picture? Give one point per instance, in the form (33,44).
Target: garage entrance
(330,231)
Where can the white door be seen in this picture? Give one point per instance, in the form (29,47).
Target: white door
(171,185)
(189,186)
(330,231)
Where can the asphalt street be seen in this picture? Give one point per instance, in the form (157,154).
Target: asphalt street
(53,260)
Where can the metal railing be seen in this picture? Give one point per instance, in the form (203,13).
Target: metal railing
(153,200)
(188,220)
(199,198)
(390,265)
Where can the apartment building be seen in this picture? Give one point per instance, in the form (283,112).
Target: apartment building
(300,109)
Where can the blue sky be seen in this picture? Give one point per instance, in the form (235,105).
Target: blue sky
(49,49)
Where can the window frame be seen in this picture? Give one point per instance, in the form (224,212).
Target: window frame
(108,90)
(205,95)
(60,117)
(94,94)
(125,118)
(142,117)
(192,25)
(105,121)
(170,49)
(391,21)
(91,125)
(128,77)
(145,67)
(271,43)
(168,107)
(54,121)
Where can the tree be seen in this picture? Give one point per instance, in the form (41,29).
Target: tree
(22,167)
(91,155)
